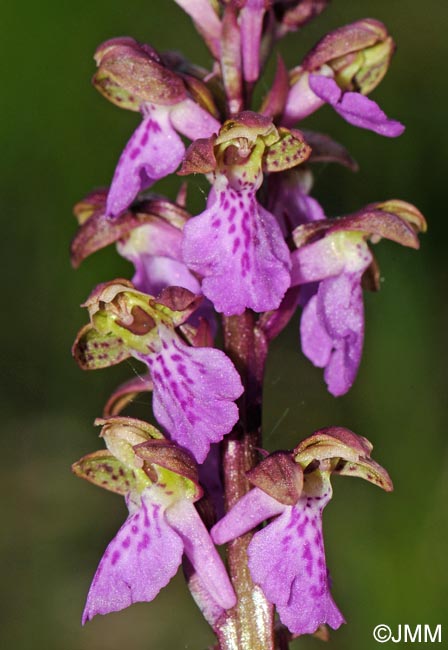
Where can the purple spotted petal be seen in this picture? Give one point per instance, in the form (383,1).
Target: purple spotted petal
(287,560)
(253,508)
(154,151)
(139,561)
(155,251)
(194,393)
(355,108)
(201,552)
(332,330)
(237,246)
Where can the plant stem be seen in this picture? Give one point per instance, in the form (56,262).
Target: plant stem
(250,624)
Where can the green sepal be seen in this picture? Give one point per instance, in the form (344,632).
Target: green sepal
(367,469)
(93,350)
(124,321)
(288,151)
(114,92)
(375,64)
(249,126)
(104,470)
(340,451)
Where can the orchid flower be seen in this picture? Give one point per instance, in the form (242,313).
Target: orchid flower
(194,388)
(160,485)
(236,245)
(155,150)
(334,254)
(287,558)
(352,58)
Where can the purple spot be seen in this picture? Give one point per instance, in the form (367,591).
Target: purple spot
(232,229)
(176,357)
(134,529)
(115,557)
(126,542)
(144,139)
(144,543)
(216,223)
(134,153)
(236,245)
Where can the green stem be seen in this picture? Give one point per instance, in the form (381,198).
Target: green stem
(250,624)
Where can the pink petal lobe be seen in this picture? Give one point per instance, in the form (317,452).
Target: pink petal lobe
(316,343)
(252,509)
(238,247)
(341,308)
(154,151)
(355,108)
(201,552)
(141,559)
(194,393)
(287,560)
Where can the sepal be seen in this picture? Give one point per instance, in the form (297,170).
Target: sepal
(93,350)
(104,470)
(289,150)
(279,477)
(122,434)
(358,53)
(394,220)
(166,454)
(339,450)
(131,74)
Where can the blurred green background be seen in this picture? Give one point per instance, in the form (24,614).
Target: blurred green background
(387,553)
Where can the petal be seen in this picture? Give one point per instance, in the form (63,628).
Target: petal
(154,151)
(287,560)
(341,309)
(316,343)
(253,508)
(194,393)
(193,121)
(239,249)
(355,108)
(139,561)
(155,251)
(201,552)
